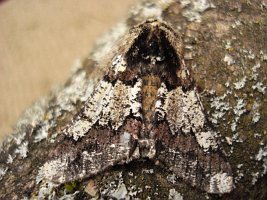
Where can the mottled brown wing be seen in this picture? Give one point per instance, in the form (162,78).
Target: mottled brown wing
(187,145)
(101,135)
(98,150)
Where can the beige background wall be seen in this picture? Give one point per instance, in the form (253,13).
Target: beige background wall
(40,41)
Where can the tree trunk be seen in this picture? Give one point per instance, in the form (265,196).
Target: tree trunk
(225,49)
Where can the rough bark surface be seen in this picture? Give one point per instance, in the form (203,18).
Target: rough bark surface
(225,48)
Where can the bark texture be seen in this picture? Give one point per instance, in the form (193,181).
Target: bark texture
(225,47)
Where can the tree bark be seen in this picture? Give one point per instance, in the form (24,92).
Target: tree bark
(225,48)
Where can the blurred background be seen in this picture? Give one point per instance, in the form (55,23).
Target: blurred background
(39,43)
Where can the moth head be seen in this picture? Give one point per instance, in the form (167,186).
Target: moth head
(152,48)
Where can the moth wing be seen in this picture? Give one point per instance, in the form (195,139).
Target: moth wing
(101,135)
(188,146)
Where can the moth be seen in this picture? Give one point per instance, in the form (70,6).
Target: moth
(146,106)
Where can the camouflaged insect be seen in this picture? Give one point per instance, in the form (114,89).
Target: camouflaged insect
(146,106)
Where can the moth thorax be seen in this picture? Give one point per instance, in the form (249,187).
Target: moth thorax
(150,86)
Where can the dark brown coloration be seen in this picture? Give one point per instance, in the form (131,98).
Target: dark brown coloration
(146,107)
(205,42)
(153,48)
(99,141)
(187,158)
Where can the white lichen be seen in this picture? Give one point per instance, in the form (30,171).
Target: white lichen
(105,107)
(220,106)
(251,55)
(261,156)
(118,64)
(2,172)
(31,117)
(51,169)
(255,113)
(193,9)
(79,89)
(148,171)
(148,187)
(255,177)
(233,126)
(240,165)
(148,10)
(46,190)
(105,44)
(9,159)
(221,183)
(240,173)
(19,138)
(260,87)
(42,133)
(171,178)
(236,138)
(69,196)
(206,140)
(125,139)
(229,59)
(174,195)
(151,11)
(120,192)
(241,83)
(257,135)
(255,69)
(263,55)
(239,109)
(229,140)
(236,24)
(133,190)
(228,45)
(22,150)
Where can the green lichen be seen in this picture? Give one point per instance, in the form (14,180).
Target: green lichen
(72,187)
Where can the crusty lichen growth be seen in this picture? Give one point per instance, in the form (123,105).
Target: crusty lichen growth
(225,47)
